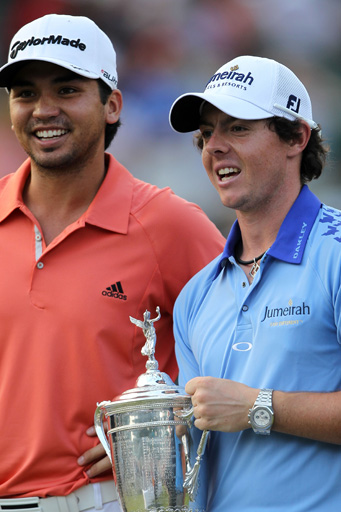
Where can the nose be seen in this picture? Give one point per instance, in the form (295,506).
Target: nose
(45,107)
(217,143)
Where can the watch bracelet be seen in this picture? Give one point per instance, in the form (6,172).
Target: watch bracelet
(264,396)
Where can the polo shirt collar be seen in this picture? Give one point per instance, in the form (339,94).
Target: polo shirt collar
(110,208)
(293,234)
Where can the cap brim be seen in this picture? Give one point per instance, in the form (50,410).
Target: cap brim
(184,115)
(8,70)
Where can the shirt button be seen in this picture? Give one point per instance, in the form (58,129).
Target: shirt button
(245,308)
(40,264)
(243,284)
(38,237)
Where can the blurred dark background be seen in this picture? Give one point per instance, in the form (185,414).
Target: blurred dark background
(168,47)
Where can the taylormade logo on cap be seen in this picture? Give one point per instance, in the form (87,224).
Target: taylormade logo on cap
(246,88)
(73,42)
(21,45)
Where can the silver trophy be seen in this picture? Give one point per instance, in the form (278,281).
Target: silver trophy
(155,450)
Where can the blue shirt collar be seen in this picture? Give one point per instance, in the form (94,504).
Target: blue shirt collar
(292,236)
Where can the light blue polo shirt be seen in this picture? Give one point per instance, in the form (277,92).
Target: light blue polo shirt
(283,332)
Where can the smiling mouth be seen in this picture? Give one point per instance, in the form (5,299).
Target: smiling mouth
(228,172)
(50,134)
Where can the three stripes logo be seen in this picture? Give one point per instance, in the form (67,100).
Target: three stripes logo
(115,291)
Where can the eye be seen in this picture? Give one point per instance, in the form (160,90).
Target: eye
(22,93)
(206,133)
(67,90)
(238,128)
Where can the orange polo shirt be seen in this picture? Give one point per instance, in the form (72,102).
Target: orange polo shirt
(66,341)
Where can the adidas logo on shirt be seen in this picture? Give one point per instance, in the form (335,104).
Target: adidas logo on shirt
(115,291)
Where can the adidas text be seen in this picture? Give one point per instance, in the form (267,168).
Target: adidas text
(21,45)
(115,295)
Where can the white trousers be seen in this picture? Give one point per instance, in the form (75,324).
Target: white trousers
(112,506)
(90,498)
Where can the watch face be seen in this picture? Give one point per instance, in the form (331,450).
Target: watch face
(262,417)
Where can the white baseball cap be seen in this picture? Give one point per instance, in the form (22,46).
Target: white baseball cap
(247,87)
(72,42)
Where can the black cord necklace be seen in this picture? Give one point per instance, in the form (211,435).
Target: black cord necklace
(243,262)
(255,267)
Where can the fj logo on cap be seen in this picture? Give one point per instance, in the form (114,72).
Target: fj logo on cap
(21,45)
(294,103)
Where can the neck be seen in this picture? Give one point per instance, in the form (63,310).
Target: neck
(259,229)
(254,241)
(57,201)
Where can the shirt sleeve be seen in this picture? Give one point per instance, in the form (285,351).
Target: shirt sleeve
(185,242)
(188,366)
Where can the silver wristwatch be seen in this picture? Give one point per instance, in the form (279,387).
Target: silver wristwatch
(261,416)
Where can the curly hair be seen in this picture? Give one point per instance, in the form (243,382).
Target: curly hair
(313,156)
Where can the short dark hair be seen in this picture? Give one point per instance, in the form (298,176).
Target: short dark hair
(313,156)
(110,129)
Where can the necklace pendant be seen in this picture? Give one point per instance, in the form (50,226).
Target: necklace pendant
(254,269)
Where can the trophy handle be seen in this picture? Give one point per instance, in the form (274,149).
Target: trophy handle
(191,478)
(98,420)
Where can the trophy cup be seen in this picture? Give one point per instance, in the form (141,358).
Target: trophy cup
(155,450)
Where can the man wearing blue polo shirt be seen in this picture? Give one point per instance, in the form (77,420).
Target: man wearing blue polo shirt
(258,330)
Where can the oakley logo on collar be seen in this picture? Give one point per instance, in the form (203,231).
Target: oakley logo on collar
(21,45)
(300,240)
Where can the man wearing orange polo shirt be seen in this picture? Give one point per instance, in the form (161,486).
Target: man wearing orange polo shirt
(84,245)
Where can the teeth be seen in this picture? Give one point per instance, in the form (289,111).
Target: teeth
(49,134)
(228,171)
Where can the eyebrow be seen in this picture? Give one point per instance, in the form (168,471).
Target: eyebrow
(67,77)
(228,120)
(203,121)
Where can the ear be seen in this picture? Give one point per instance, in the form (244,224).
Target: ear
(298,145)
(114,106)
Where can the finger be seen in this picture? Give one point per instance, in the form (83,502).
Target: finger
(95,453)
(200,424)
(99,467)
(91,431)
(191,386)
